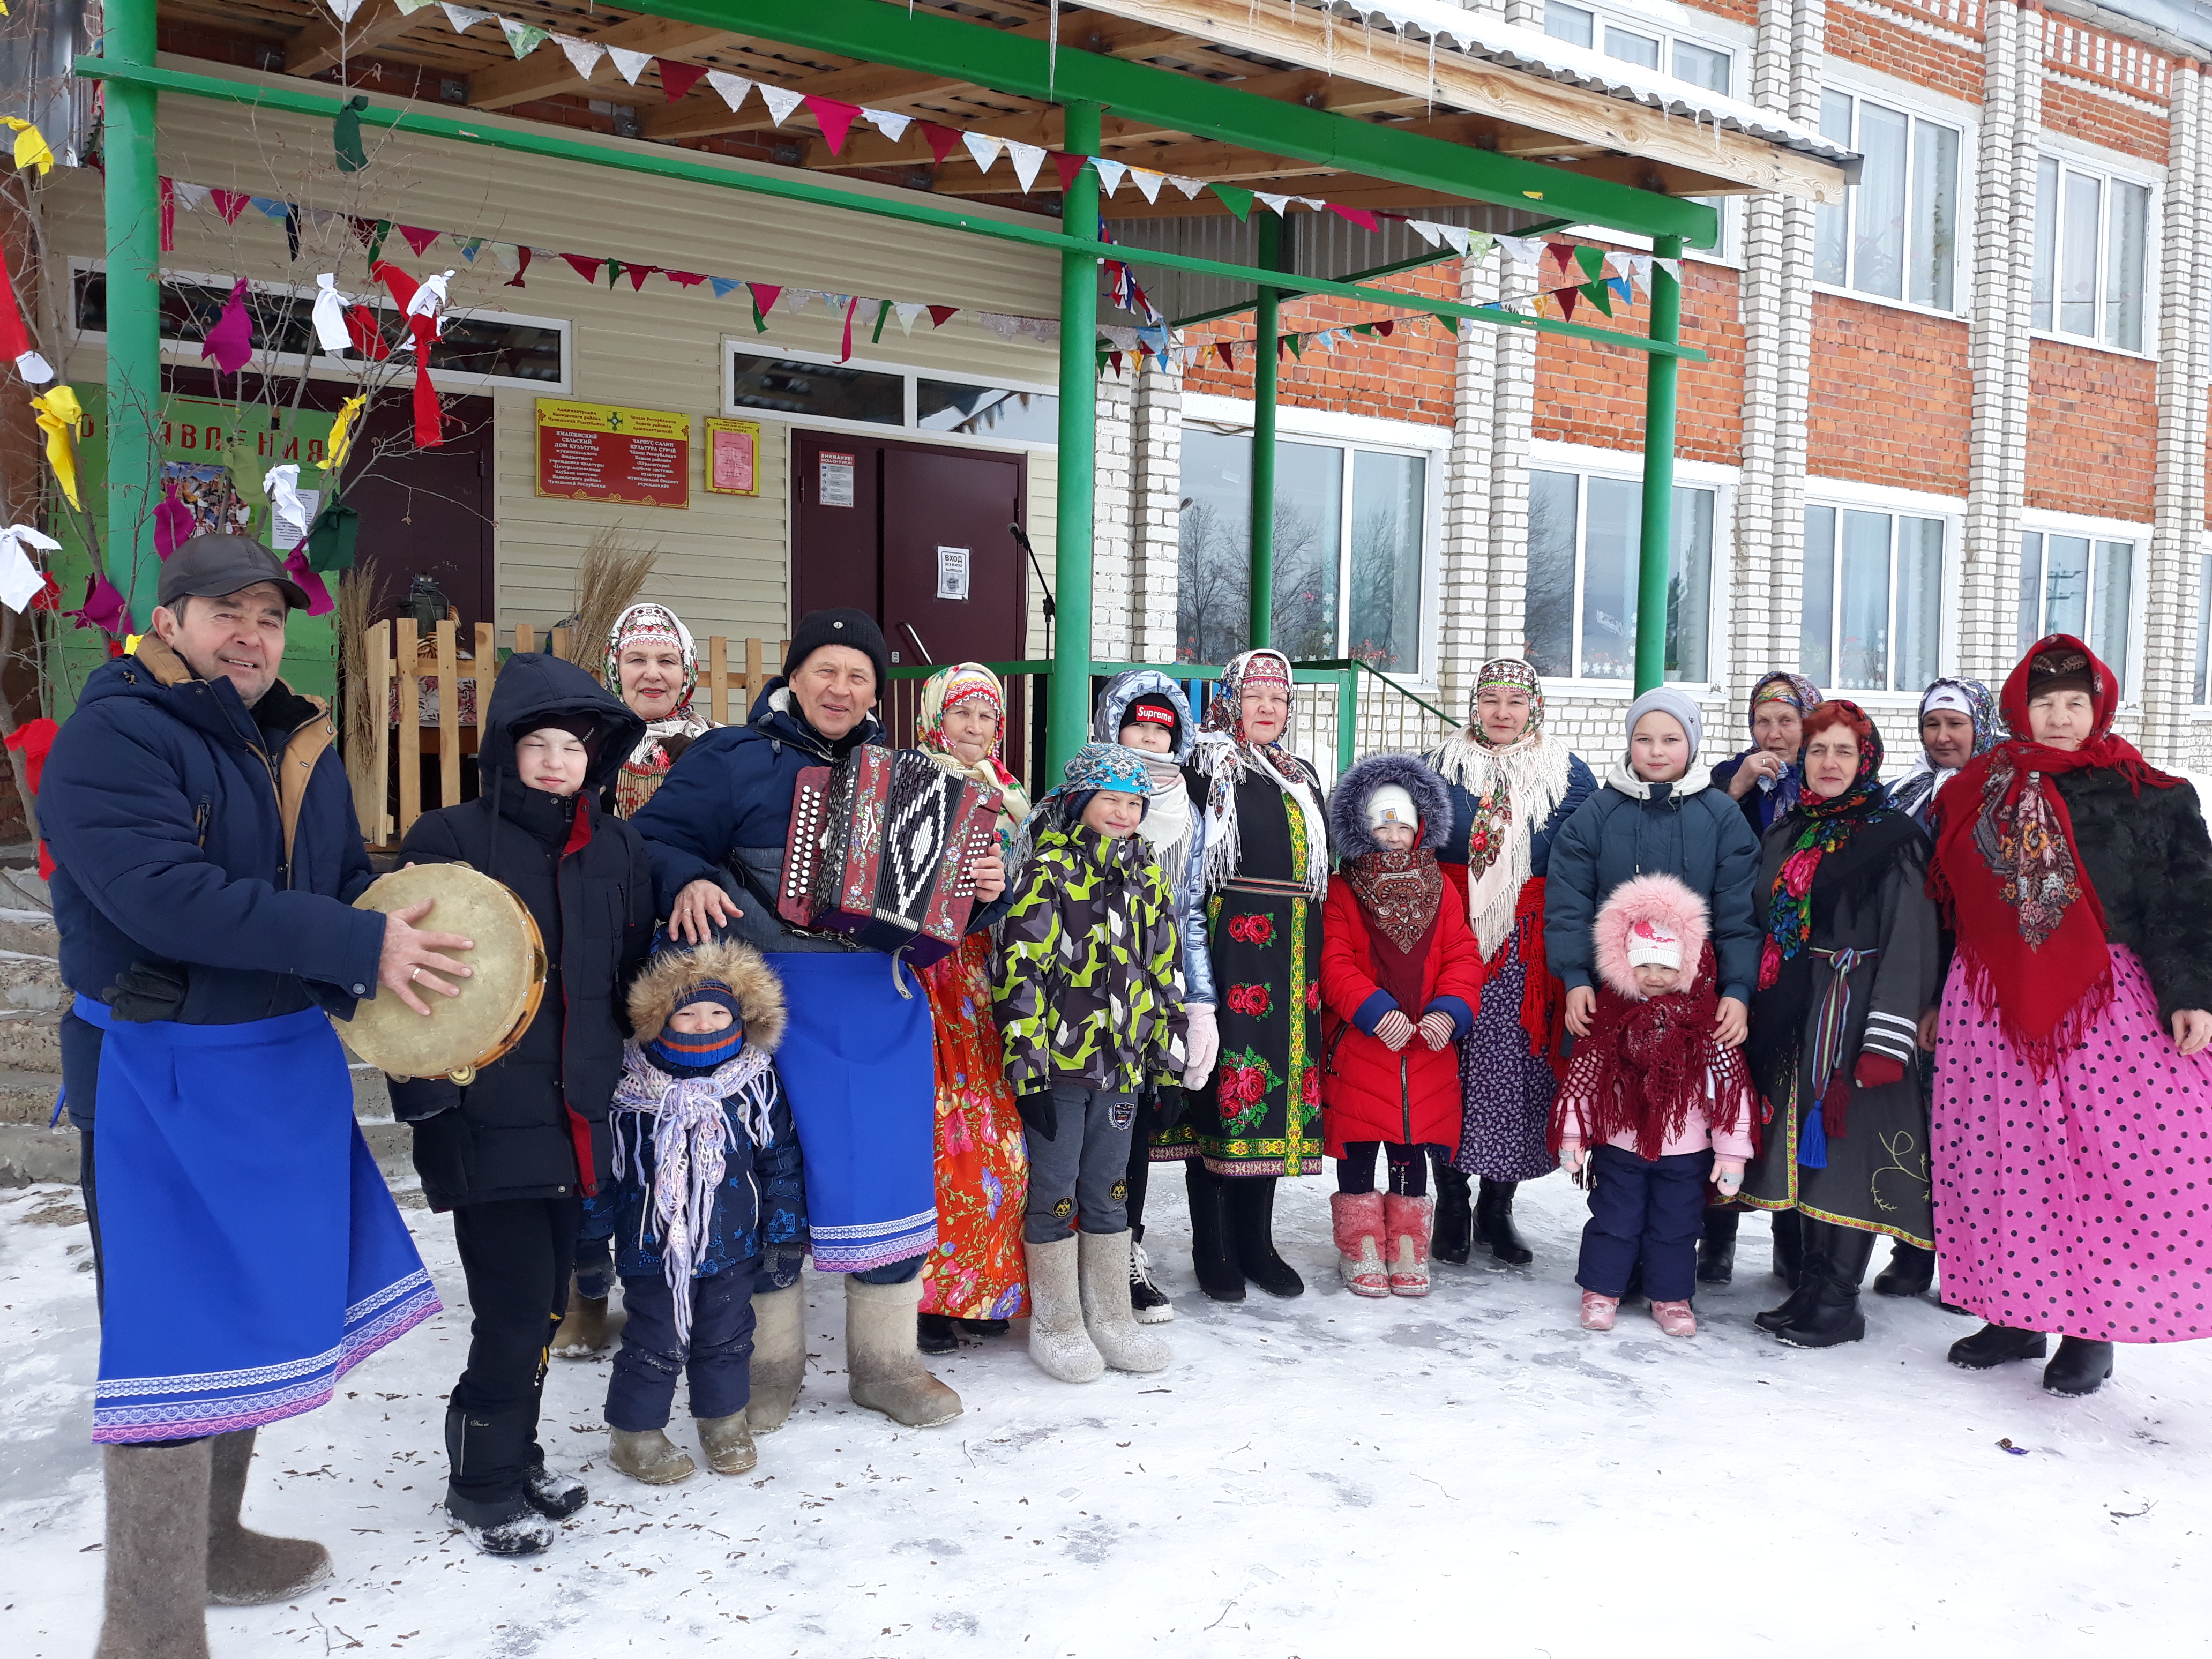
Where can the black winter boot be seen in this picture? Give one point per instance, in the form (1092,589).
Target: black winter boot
(2078,1367)
(1835,1316)
(1789,1246)
(934,1334)
(1801,1299)
(1912,1270)
(1994,1345)
(1252,1209)
(1213,1251)
(490,1454)
(1493,1223)
(1717,1249)
(1452,1239)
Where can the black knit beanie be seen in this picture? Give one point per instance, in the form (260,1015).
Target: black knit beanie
(1160,712)
(840,625)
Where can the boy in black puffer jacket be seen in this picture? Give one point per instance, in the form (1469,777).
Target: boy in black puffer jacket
(514,1153)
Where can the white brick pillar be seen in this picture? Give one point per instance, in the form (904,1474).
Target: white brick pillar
(2169,586)
(1156,514)
(1512,430)
(1113,485)
(1463,628)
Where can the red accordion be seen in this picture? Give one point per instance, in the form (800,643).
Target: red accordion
(880,849)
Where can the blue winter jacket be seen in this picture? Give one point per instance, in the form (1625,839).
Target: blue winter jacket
(1629,828)
(188,828)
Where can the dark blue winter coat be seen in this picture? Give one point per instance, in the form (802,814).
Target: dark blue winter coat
(1761,807)
(1687,829)
(1581,781)
(762,1203)
(188,828)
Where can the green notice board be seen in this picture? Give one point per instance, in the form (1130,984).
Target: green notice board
(206,447)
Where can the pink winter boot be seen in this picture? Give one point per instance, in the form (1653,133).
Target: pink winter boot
(1405,1226)
(1355,1219)
(1598,1310)
(1675,1318)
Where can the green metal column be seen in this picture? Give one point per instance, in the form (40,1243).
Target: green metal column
(134,314)
(1068,723)
(1658,535)
(1265,365)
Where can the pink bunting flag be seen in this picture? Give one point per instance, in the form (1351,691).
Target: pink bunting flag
(168,195)
(1359,216)
(229,203)
(834,116)
(172,523)
(684,278)
(417,238)
(844,352)
(637,274)
(940,140)
(586,269)
(677,78)
(103,608)
(229,344)
(319,602)
(764,296)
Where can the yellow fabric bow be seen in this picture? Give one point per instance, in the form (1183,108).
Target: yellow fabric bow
(31,147)
(341,439)
(59,415)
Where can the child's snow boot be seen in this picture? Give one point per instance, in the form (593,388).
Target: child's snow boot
(1453,1240)
(727,1442)
(648,1454)
(779,1362)
(555,1496)
(1147,1301)
(1058,1341)
(883,1371)
(1102,1266)
(1406,1227)
(249,1569)
(1356,1219)
(583,1330)
(1598,1311)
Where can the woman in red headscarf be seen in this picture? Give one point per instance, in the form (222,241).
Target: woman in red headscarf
(2073,1109)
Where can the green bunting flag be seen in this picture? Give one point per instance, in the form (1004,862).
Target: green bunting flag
(1591,260)
(345,136)
(1238,201)
(1598,295)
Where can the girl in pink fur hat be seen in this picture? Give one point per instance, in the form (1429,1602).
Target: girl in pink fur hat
(1654,1106)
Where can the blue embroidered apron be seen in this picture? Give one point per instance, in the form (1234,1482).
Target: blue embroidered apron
(254,1254)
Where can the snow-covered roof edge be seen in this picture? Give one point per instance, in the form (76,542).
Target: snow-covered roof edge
(1478,34)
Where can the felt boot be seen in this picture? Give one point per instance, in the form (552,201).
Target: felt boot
(648,1454)
(1835,1316)
(883,1372)
(1252,1212)
(1994,1345)
(1213,1251)
(1058,1339)
(1406,1231)
(779,1362)
(1911,1272)
(1716,1248)
(248,1569)
(2078,1367)
(1453,1241)
(1148,1303)
(583,1331)
(1356,1224)
(1102,1266)
(727,1442)
(1493,1223)
(156,1554)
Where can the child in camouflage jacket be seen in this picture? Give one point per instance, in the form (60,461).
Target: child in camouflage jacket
(1088,1001)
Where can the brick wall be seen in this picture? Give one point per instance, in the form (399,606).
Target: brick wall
(1588,393)
(2092,432)
(1892,398)
(2095,119)
(1883,41)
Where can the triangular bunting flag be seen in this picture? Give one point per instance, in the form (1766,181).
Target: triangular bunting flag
(345,9)
(723,286)
(1147,181)
(637,274)
(229,203)
(1067,166)
(1228,354)
(908,311)
(1477,246)
(890,124)
(1460,240)
(1432,234)
(1591,260)
(1621,286)
(583,55)
(940,140)
(677,78)
(1027,159)
(1562,253)
(835,118)
(417,238)
(1672,267)
(1188,186)
(732,88)
(522,38)
(1238,201)
(1566,297)
(629,64)
(1110,173)
(499,251)
(780,100)
(1275,204)
(270,208)
(684,278)
(1599,293)
(795,298)
(464,18)
(586,269)
(940,315)
(1359,216)
(190,197)
(982,149)
(764,302)
(1523,251)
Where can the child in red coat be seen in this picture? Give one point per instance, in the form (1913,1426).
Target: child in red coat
(1401,978)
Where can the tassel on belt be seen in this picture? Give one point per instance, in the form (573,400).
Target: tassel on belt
(1835,1016)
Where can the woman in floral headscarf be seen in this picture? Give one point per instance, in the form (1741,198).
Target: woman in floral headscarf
(1259,868)
(1958,721)
(2072,1091)
(653,666)
(1765,779)
(974,1275)
(1512,786)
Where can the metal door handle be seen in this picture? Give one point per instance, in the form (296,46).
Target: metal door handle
(908,629)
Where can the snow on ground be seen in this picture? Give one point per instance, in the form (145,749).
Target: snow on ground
(1310,1477)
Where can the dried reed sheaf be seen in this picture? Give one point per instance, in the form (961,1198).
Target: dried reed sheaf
(361,599)
(609,578)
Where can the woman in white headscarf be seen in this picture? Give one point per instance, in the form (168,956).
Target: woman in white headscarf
(1958,721)
(653,667)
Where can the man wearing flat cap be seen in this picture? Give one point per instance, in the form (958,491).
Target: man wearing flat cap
(206,852)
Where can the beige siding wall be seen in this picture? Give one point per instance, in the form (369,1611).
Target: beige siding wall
(725,560)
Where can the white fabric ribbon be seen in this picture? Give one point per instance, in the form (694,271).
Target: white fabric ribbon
(330,315)
(20,579)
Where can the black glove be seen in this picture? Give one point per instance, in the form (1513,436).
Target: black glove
(148,991)
(418,1099)
(1038,1112)
(1163,1105)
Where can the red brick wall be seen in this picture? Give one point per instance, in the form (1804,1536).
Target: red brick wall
(2093,431)
(1587,393)
(1405,377)
(1892,398)
(1894,50)
(2096,119)
(1743,11)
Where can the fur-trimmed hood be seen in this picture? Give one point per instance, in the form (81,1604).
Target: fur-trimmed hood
(1649,898)
(657,991)
(1347,802)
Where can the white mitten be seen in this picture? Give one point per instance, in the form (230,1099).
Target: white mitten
(1570,1157)
(1201,1045)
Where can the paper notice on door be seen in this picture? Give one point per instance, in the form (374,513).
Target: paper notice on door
(951,573)
(284,531)
(837,479)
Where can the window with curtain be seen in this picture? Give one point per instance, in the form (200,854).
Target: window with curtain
(1895,233)
(1585,540)
(1873,599)
(2090,270)
(2078,584)
(1352,539)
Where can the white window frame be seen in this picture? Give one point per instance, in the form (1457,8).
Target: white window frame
(2200,707)
(321,366)
(2137,535)
(2108,170)
(1548,455)
(1902,98)
(1850,494)
(1349,433)
(907,431)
